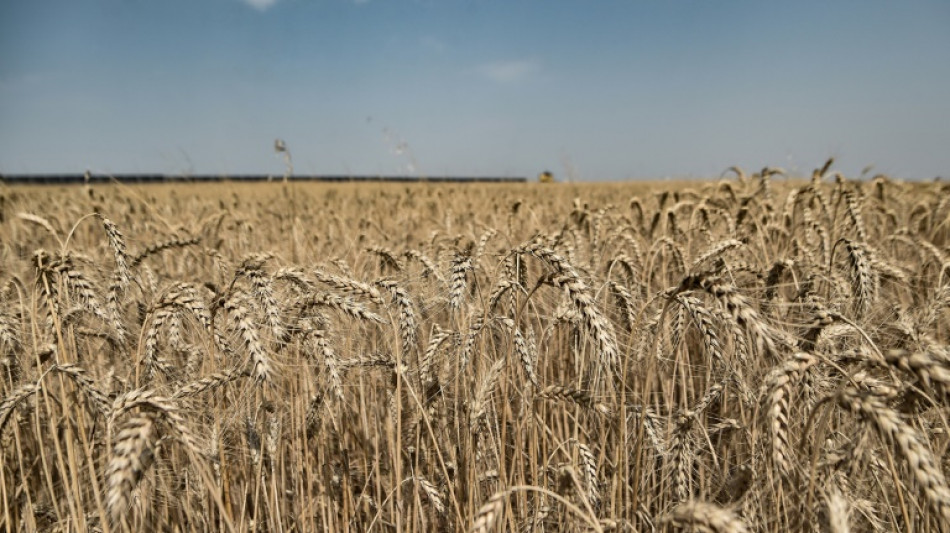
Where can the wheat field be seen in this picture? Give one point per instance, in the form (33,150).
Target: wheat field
(746,354)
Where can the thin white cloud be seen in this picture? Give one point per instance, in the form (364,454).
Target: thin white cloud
(508,71)
(260,5)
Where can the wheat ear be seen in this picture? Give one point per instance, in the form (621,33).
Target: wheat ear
(132,455)
(706,517)
(920,459)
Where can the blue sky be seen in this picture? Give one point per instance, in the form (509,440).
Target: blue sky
(601,90)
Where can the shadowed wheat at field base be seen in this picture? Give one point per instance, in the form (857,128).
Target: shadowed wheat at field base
(748,354)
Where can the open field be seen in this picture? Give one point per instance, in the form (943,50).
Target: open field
(749,354)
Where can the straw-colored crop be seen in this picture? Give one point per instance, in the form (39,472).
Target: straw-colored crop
(755,353)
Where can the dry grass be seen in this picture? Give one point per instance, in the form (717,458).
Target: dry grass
(750,354)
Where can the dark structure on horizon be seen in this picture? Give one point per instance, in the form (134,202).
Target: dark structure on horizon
(79,179)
